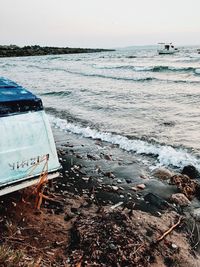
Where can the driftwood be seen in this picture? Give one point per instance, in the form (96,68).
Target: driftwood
(169,230)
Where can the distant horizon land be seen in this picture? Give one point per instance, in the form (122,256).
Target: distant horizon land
(91,47)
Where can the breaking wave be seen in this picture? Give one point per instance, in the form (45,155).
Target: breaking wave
(165,155)
(125,78)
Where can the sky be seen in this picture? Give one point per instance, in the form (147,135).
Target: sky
(99,23)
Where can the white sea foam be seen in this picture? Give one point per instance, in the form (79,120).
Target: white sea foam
(165,155)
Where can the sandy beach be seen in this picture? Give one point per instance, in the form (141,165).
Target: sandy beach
(95,216)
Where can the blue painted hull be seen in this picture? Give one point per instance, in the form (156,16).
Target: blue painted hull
(27,142)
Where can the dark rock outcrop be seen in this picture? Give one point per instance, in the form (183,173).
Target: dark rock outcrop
(191,171)
(36,50)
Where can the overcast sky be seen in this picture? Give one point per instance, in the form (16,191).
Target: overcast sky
(99,23)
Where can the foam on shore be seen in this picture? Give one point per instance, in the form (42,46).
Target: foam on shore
(165,155)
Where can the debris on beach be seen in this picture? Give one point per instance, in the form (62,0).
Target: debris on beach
(114,238)
(95,218)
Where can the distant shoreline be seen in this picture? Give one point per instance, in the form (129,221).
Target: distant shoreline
(36,50)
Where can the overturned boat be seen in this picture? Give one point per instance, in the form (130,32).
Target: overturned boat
(27,146)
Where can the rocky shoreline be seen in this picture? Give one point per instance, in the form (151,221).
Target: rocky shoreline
(36,50)
(95,215)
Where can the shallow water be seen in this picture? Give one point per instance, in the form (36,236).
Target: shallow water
(146,103)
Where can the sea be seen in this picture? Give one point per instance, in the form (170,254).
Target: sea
(146,104)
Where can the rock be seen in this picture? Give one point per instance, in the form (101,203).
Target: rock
(115,188)
(188,187)
(110,175)
(86,179)
(196,214)
(162,173)
(112,246)
(180,199)
(141,186)
(91,157)
(133,188)
(191,171)
(174,246)
(128,181)
(156,201)
(107,157)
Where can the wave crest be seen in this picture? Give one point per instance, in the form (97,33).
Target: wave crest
(166,155)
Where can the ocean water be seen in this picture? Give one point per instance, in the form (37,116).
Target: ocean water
(147,104)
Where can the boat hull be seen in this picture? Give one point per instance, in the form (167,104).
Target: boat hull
(27,144)
(166,52)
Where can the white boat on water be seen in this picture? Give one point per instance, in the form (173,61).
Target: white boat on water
(27,145)
(166,48)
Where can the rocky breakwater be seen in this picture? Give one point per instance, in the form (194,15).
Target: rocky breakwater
(36,50)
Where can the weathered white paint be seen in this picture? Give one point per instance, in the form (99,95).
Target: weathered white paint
(25,138)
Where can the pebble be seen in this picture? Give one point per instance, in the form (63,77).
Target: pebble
(115,188)
(174,246)
(180,199)
(110,175)
(133,188)
(85,178)
(162,173)
(107,157)
(141,186)
(196,214)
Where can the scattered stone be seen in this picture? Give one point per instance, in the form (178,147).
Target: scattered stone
(196,214)
(86,178)
(115,188)
(133,188)
(91,157)
(191,171)
(128,181)
(141,186)
(107,157)
(156,201)
(110,175)
(162,173)
(98,169)
(180,199)
(174,246)
(18,232)
(119,181)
